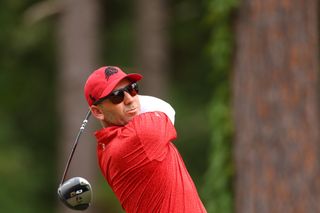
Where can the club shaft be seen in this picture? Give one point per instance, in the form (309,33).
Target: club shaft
(84,123)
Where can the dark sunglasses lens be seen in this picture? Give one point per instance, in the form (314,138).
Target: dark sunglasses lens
(133,89)
(117,98)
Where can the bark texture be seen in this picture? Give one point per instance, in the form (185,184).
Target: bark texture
(152,57)
(276,86)
(78,52)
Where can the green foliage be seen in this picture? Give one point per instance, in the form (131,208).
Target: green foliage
(217,189)
(201,50)
(27,112)
(190,74)
(118,33)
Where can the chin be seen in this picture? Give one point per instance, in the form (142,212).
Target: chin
(131,117)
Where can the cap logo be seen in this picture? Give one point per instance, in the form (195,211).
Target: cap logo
(109,71)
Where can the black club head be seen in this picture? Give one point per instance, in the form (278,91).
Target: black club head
(75,193)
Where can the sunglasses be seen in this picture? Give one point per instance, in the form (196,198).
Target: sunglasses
(117,96)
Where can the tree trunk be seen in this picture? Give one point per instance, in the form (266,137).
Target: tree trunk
(276,107)
(152,46)
(77,42)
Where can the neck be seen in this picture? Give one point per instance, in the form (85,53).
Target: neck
(104,124)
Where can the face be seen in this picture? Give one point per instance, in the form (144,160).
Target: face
(120,114)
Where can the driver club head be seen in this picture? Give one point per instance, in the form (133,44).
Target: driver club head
(75,193)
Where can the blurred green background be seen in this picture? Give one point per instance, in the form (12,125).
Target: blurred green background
(200,41)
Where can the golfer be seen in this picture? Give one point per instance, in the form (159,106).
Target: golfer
(135,150)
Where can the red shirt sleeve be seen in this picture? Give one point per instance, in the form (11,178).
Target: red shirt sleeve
(155,131)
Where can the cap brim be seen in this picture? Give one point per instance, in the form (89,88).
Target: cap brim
(132,76)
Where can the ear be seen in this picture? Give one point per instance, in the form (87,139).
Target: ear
(97,112)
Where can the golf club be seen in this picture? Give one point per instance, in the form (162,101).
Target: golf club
(76,192)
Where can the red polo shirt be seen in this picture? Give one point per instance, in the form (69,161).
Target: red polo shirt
(144,168)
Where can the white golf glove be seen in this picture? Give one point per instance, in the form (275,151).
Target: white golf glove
(151,104)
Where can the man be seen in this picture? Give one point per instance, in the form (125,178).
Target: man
(135,150)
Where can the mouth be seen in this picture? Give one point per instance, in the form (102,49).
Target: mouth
(132,111)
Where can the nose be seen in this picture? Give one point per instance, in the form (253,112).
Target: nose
(127,98)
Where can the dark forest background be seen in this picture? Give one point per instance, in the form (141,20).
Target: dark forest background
(241,75)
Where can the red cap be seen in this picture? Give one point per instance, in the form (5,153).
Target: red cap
(103,80)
